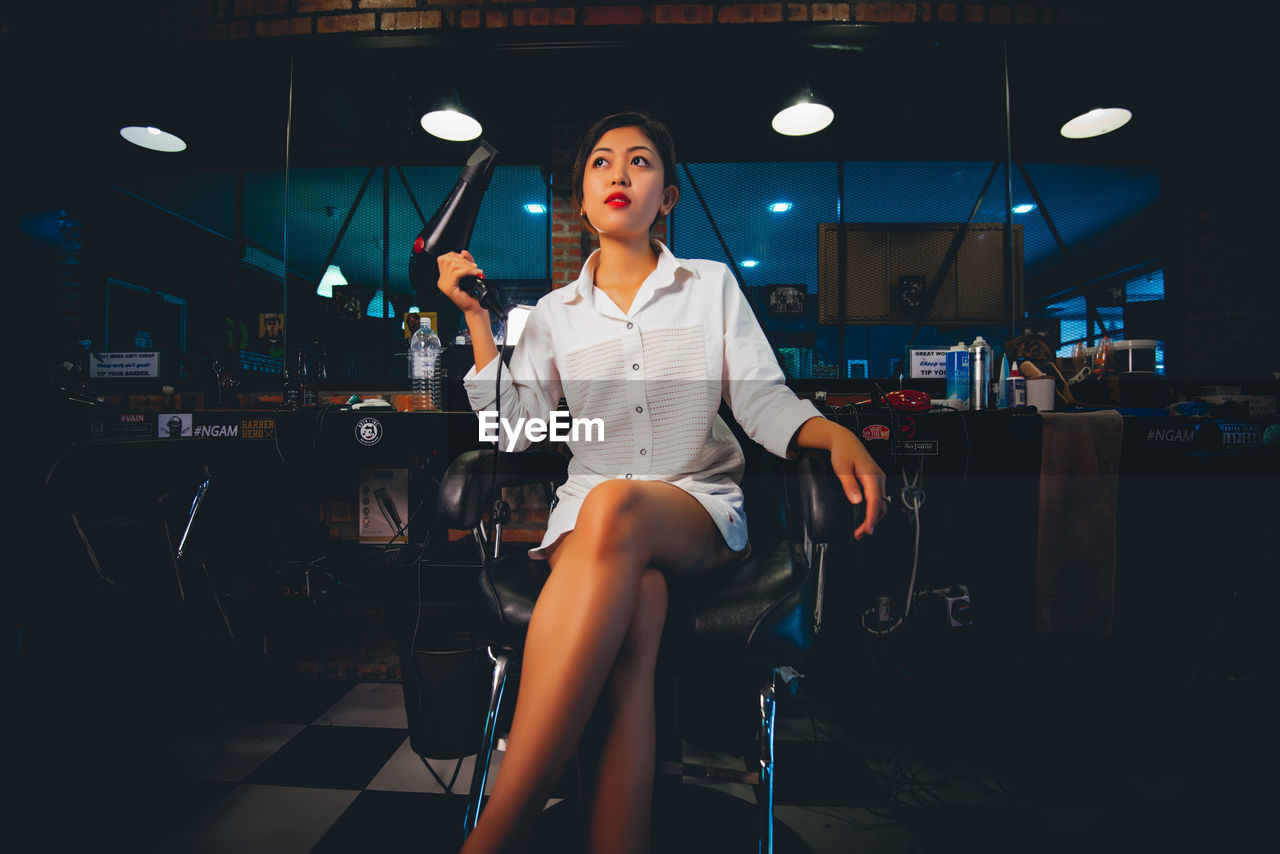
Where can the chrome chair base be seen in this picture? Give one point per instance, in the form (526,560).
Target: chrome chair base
(761,780)
(479,777)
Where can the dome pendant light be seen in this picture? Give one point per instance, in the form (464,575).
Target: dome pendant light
(449,121)
(153,138)
(379,306)
(452,125)
(331,279)
(807,115)
(1096,122)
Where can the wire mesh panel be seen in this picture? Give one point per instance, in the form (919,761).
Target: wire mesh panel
(364,220)
(508,240)
(777,221)
(761,217)
(764,212)
(1148,287)
(1083,201)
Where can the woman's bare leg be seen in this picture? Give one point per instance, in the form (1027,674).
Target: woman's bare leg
(622,802)
(576,632)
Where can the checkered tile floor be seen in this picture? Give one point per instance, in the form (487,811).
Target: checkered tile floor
(290,765)
(317,766)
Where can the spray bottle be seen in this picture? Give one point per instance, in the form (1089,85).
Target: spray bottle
(1002,384)
(958,376)
(1015,392)
(979,374)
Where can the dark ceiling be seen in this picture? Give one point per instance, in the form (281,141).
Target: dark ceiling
(914,93)
(903,94)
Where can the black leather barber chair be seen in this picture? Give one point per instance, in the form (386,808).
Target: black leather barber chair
(723,635)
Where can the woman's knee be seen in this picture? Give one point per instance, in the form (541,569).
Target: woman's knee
(646,523)
(611,513)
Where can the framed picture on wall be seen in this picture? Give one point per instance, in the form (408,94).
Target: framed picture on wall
(786,299)
(270,334)
(413,319)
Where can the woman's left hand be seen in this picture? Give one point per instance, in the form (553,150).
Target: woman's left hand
(862,479)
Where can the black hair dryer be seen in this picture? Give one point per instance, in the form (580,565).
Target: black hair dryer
(450,231)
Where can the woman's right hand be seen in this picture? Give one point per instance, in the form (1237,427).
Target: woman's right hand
(454,267)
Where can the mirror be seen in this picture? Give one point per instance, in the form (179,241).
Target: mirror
(309,153)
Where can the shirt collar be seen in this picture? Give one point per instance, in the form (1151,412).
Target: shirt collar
(667,273)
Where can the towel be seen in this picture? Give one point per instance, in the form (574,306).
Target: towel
(1076,538)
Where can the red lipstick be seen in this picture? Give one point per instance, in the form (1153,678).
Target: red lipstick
(617,200)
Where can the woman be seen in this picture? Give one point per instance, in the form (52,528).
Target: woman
(649,344)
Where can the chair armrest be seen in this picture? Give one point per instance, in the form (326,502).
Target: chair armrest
(467,488)
(828,515)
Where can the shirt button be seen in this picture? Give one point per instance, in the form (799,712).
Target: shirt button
(630,325)
(639,409)
(636,366)
(643,452)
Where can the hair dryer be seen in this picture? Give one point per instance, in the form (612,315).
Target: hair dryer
(450,230)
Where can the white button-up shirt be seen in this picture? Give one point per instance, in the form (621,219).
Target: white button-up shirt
(654,376)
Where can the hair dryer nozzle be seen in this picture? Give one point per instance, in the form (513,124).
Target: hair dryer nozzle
(449,230)
(479,166)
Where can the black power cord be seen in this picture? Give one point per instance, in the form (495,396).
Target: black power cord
(500,512)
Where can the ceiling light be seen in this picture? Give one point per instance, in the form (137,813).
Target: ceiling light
(780,207)
(379,306)
(1025,207)
(451,124)
(536,209)
(1096,122)
(152,138)
(750,262)
(804,117)
(331,279)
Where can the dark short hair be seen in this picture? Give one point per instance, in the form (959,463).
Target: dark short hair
(651,127)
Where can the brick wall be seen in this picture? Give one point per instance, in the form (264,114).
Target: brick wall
(245,19)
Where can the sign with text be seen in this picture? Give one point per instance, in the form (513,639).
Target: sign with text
(928,363)
(139,364)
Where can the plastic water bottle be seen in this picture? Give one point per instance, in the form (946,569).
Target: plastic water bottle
(438,378)
(424,353)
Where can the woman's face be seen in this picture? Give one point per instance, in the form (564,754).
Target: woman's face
(623,185)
